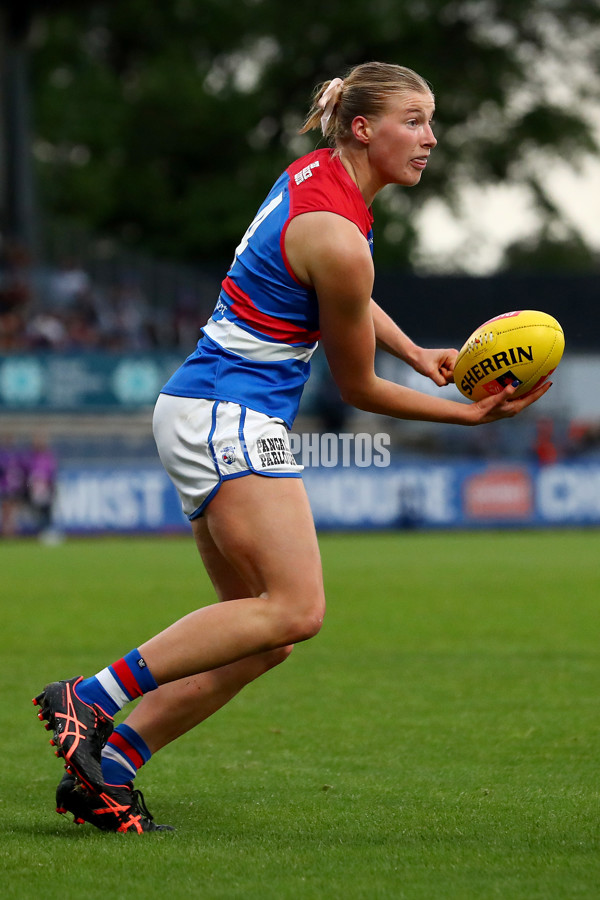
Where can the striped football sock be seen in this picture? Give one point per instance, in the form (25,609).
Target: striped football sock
(116,685)
(124,753)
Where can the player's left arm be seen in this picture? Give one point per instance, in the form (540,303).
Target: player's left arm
(437,364)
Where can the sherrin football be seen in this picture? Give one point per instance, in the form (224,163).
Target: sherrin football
(524,346)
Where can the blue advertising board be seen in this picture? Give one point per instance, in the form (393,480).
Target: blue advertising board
(109,498)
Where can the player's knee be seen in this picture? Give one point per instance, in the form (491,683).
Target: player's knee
(305,624)
(294,618)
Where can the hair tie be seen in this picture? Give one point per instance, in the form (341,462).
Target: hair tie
(328,100)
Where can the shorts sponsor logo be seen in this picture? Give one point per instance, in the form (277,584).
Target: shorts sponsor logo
(273,451)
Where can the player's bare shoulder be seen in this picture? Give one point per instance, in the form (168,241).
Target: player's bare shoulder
(324,245)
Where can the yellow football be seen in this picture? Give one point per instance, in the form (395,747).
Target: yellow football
(523,346)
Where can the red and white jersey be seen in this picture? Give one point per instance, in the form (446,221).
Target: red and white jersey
(256,347)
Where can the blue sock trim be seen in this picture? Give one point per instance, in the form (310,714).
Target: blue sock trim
(91,691)
(119,770)
(114,773)
(140,671)
(133,738)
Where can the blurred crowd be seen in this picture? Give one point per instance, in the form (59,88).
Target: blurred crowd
(554,445)
(27,487)
(62,308)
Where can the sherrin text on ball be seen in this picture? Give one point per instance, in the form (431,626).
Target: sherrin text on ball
(523,347)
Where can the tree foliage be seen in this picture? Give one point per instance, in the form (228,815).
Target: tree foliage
(165,123)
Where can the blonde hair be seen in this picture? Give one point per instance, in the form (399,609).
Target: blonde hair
(365,91)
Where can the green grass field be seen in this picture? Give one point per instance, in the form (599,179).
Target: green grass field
(438,739)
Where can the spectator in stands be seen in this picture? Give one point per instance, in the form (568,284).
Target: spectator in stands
(46,331)
(15,296)
(544,446)
(12,486)
(15,278)
(132,315)
(41,469)
(68,284)
(583,438)
(13,335)
(82,325)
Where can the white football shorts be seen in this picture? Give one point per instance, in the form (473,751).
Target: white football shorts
(202,443)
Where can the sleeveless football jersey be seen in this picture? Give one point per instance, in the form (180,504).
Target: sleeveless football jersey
(255,349)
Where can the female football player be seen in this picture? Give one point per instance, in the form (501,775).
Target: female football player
(303,271)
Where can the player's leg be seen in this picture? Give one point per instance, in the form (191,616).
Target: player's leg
(172,710)
(263,528)
(274,554)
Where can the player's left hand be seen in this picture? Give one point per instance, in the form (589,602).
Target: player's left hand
(436,364)
(502,406)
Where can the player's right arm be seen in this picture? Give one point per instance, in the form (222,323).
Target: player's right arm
(328,252)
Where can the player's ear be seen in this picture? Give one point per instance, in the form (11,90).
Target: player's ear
(361,129)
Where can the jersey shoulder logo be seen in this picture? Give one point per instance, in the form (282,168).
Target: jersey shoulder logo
(306,172)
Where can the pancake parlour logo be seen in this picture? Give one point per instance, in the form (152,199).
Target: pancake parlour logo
(273,451)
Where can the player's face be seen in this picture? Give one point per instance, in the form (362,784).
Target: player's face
(402,139)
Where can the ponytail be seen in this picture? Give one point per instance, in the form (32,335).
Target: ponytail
(365,91)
